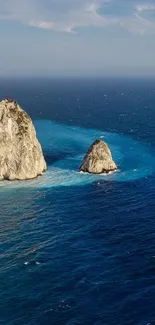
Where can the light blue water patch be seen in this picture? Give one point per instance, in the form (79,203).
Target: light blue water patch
(64,147)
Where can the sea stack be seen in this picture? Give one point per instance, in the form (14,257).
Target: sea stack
(21,156)
(98,159)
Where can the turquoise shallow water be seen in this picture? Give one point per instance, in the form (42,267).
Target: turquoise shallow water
(64,147)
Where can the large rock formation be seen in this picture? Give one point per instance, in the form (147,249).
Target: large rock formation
(21,155)
(98,159)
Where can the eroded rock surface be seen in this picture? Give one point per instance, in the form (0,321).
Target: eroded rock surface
(98,159)
(21,155)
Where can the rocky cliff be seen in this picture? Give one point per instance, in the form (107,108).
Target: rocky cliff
(21,156)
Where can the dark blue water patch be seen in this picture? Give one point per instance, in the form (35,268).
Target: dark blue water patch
(79,260)
(124,106)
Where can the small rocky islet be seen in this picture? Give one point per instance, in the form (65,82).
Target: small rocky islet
(98,159)
(21,155)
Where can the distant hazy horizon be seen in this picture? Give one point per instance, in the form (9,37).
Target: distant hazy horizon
(75,77)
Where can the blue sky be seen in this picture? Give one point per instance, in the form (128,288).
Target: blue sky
(77,37)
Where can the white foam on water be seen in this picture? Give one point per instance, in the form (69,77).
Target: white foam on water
(65,146)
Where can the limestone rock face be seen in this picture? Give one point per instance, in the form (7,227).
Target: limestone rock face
(21,154)
(98,159)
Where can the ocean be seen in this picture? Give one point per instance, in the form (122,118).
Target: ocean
(79,249)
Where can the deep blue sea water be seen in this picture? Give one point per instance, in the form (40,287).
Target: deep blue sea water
(75,248)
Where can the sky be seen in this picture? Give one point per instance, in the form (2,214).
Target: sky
(77,38)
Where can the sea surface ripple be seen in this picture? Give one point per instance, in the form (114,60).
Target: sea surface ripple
(80,249)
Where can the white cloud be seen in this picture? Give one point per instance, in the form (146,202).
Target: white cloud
(145,7)
(138,25)
(83,14)
(68,15)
